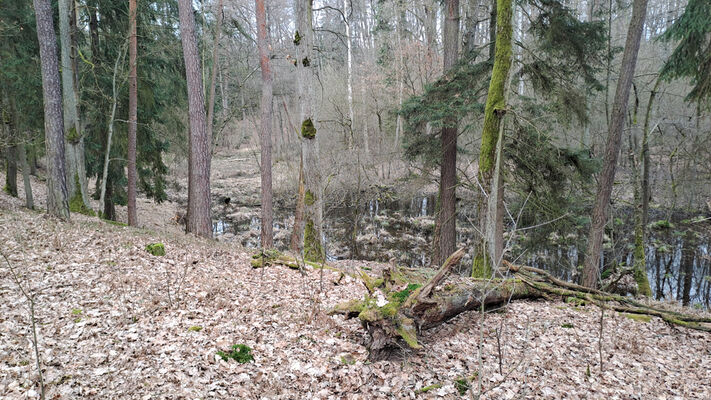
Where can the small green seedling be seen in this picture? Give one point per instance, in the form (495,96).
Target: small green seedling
(195,328)
(462,386)
(240,353)
(567,325)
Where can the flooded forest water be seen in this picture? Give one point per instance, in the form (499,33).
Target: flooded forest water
(400,231)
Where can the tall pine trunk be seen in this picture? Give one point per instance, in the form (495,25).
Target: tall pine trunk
(617,120)
(490,137)
(57,197)
(132,113)
(266,125)
(213,75)
(198,216)
(448,169)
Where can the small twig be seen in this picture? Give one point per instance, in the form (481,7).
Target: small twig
(499,331)
(599,345)
(31,301)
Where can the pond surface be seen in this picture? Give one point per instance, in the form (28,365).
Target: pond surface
(400,231)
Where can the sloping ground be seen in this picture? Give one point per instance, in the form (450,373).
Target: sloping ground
(117,322)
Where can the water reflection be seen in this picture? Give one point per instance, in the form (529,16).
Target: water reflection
(678,264)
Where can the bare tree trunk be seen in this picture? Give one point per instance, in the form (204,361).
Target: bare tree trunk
(448,169)
(619,110)
(109,137)
(266,125)
(297,233)
(471,25)
(313,197)
(213,75)
(491,134)
(646,192)
(57,197)
(198,216)
(349,80)
(29,201)
(11,175)
(132,113)
(366,136)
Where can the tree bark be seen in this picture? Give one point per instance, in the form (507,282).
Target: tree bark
(448,169)
(57,196)
(11,176)
(74,141)
(198,215)
(103,199)
(313,196)
(619,110)
(132,113)
(646,191)
(266,125)
(29,200)
(349,78)
(493,115)
(213,75)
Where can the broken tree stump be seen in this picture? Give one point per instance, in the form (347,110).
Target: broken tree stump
(404,302)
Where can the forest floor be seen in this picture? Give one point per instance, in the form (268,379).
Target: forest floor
(118,322)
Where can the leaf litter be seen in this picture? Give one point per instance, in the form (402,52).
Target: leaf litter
(118,322)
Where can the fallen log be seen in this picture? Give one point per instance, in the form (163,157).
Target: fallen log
(401,305)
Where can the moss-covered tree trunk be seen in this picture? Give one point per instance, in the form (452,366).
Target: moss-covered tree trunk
(493,115)
(313,189)
(74,140)
(641,201)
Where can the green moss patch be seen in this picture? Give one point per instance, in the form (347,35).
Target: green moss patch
(308,130)
(195,328)
(402,295)
(313,250)
(567,325)
(462,385)
(309,198)
(638,317)
(157,249)
(76,203)
(430,387)
(239,352)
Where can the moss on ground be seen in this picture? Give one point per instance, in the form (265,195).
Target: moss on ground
(157,249)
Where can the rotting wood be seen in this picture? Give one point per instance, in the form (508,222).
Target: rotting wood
(415,303)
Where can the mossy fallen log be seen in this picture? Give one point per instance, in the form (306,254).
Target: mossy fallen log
(398,307)
(272,257)
(394,313)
